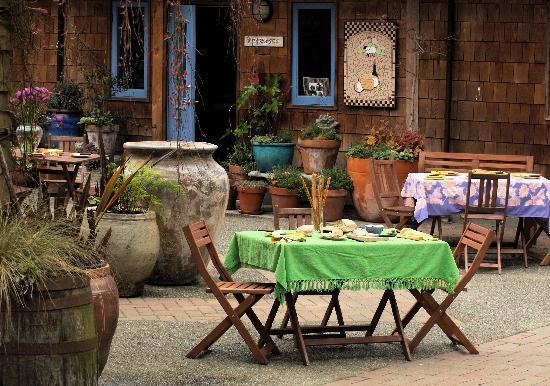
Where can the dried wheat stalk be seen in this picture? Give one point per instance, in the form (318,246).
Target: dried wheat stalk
(317,195)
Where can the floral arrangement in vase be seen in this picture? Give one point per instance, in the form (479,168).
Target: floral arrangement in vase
(30,109)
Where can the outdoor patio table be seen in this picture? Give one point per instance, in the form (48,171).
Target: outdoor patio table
(326,265)
(65,160)
(529,198)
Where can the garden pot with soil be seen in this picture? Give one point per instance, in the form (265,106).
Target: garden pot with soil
(132,250)
(251,196)
(318,154)
(284,198)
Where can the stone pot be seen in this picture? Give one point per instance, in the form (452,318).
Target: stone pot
(334,206)
(109,137)
(105,296)
(363,196)
(205,191)
(318,154)
(251,199)
(132,250)
(284,198)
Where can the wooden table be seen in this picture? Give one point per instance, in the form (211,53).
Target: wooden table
(66,160)
(324,265)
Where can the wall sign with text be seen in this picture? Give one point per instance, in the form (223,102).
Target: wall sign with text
(369,64)
(263,41)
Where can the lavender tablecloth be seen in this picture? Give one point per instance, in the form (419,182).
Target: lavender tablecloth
(528,197)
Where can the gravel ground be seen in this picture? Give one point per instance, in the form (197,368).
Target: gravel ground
(153,353)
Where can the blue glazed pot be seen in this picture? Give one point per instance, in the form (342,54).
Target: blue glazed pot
(269,155)
(64,123)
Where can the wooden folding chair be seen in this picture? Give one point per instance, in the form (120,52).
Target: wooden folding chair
(485,207)
(385,185)
(296,218)
(477,238)
(198,237)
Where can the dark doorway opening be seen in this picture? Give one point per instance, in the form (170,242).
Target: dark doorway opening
(216,78)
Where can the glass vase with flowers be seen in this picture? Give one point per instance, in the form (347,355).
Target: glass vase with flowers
(30,108)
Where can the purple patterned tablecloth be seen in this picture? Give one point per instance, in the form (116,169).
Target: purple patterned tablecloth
(528,197)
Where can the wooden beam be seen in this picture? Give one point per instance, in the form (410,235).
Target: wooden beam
(158,70)
(449,73)
(411,64)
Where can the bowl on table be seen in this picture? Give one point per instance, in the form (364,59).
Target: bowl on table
(374,228)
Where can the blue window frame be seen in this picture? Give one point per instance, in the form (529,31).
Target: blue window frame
(132,65)
(313,54)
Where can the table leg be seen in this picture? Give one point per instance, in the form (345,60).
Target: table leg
(298,336)
(71,178)
(399,326)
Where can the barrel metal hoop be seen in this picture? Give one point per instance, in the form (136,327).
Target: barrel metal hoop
(50,304)
(61,348)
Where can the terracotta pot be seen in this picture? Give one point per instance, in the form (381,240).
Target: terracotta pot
(109,137)
(363,196)
(105,296)
(205,192)
(284,198)
(318,154)
(250,200)
(132,250)
(334,206)
(235,174)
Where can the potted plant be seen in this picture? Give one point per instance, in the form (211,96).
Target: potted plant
(272,151)
(319,144)
(340,185)
(251,195)
(383,142)
(30,108)
(285,187)
(44,290)
(98,122)
(134,244)
(65,110)
(239,163)
(260,104)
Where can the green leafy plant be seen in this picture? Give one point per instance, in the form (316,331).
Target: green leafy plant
(315,132)
(98,117)
(241,155)
(34,248)
(254,184)
(261,104)
(267,139)
(287,178)
(339,179)
(66,95)
(386,142)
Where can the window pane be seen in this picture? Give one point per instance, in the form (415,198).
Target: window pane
(131,52)
(314,52)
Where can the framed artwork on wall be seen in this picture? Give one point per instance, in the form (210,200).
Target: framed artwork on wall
(369,64)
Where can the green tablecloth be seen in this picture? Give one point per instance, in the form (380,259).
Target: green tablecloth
(325,265)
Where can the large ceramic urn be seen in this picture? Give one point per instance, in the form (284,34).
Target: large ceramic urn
(204,195)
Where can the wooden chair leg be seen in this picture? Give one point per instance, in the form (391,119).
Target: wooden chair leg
(269,321)
(399,326)
(519,231)
(386,219)
(299,338)
(286,318)
(439,227)
(499,240)
(258,354)
(432,229)
(524,248)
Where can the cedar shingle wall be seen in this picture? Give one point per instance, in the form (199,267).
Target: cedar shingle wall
(355,121)
(88,41)
(498,78)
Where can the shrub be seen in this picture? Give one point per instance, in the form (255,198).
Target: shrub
(339,179)
(287,178)
(255,184)
(267,139)
(315,132)
(66,96)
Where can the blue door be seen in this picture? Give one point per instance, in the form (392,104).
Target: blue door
(180,121)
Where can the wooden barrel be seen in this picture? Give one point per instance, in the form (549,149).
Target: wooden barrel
(105,294)
(53,340)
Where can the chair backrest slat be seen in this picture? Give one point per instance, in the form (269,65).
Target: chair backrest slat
(384,181)
(65,143)
(487,194)
(296,217)
(479,239)
(463,162)
(197,236)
